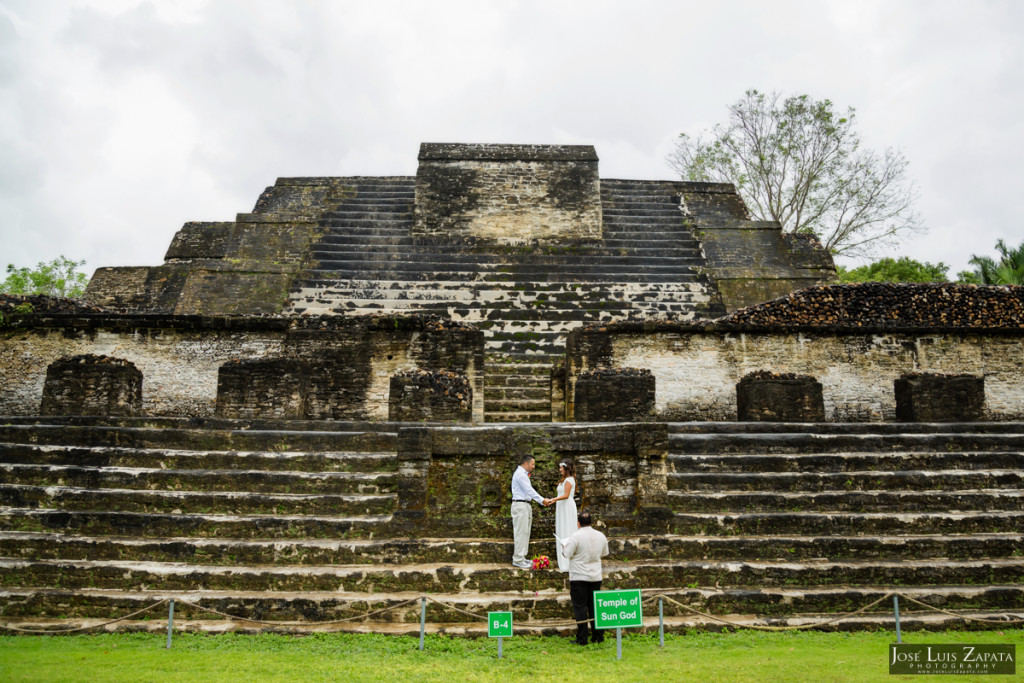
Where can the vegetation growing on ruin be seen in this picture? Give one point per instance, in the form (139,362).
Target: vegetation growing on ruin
(698,656)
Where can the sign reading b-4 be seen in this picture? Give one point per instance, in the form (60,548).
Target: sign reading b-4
(499,624)
(618,609)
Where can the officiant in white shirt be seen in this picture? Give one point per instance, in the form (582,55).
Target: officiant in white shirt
(584,550)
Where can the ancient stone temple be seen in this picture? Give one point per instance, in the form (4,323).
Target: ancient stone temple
(523,243)
(313,413)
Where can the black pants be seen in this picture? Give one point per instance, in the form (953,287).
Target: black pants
(582,595)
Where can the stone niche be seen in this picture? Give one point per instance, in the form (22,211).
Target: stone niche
(614,395)
(438,396)
(508,194)
(271,388)
(765,396)
(92,384)
(930,397)
(292,388)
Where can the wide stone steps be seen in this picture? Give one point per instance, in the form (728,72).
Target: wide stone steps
(207,525)
(351,256)
(846,481)
(324,279)
(785,443)
(525,271)
(893,466)
(185,502)
(198,480)
(160,459)
(489,578)
(398,551)
(343,241)
(845,501)
(517,388)
(545,605)
(844,523)
(782,521)
(485,297)
(268,440)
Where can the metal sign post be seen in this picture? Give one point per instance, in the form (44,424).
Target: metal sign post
(499,625)
(618,609)
(423,620)
(170,623)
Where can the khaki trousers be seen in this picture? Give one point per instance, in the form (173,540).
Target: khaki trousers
(522,520)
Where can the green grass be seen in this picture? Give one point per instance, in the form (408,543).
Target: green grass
(739,656)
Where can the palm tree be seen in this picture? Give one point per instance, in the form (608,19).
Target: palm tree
(1009,270)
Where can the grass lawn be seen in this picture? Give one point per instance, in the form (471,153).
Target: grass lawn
(738,656)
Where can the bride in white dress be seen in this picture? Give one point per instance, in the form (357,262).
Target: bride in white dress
(565,509)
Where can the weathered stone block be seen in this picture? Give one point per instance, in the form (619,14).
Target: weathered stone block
(929,397)
(153,290)
(268,388)
(92,385)
(614,395)
(201,240)
(764,396)
(508,193)
(438,396)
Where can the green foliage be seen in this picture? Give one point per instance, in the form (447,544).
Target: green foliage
(695,656)
(799,162)
(59,277)
(1008,270)
(903,269)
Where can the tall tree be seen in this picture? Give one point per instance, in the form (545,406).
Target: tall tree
(1008,270)
(903,269)
(797,161)
(59,277)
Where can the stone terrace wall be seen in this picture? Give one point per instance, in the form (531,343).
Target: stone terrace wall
(454,482)
(696,370)
(857,340)
(180,356)
(508,193)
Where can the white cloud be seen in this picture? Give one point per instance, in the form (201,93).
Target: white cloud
(119,120)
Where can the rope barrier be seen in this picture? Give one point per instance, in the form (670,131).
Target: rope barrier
(954,614)
(545,624)
(298,623)
(86,628)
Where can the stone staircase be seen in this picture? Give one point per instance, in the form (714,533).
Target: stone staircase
(525,298)
(291,521)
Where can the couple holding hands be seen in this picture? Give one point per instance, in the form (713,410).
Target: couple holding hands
(523,494)
(580,547)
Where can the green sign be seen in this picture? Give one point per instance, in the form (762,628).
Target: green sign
(618,609)
(499,624)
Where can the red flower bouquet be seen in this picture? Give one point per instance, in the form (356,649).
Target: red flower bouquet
(541,562)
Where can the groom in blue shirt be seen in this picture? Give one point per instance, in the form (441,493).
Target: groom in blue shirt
(522,511)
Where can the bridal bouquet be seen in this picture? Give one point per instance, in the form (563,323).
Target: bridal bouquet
(541,562)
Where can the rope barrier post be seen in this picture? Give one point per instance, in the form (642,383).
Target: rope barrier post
(170,623)
(423,620)
(661,621)
(896,606)
(618,643)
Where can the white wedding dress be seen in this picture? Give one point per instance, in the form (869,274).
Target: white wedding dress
(565,520)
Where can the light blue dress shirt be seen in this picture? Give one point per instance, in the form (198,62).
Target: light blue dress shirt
(521,488)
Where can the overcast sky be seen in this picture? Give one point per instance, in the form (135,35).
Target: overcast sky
(120,120)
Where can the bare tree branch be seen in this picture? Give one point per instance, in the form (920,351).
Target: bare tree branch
(796,161)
